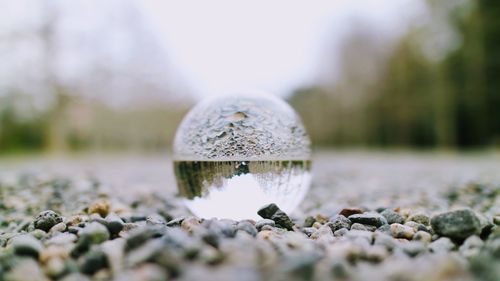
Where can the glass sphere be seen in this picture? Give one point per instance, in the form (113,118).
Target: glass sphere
(233,155)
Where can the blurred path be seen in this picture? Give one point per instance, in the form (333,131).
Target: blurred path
(370,179)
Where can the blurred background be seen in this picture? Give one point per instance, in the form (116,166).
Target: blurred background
(119,75)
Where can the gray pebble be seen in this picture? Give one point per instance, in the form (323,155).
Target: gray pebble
(155,219)
(268,211)
(471,246)
(176,222)
(281,219)
(46,220)
(308,222)
(374,219)
(458,224)
(414,248)
(75,277)
(442,244)
(324,233)
(496,220)
(93,261)
(385,240)
(62,239)
(264,222)
(385,229)
(339,221)
(420,218)
(360,235)
(309,230)
(268,227)
(114,223)
(25,269)
(358,226)
(392,217)
(26,245)
(145,252)
(247,227)
(140,235)
(38,234)
(341,232)
(96,232)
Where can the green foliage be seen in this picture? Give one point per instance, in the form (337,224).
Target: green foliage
(414,100)
(17,134)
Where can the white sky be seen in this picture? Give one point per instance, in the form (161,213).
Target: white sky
(223,46)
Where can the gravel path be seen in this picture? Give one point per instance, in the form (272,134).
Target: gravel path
(368,216)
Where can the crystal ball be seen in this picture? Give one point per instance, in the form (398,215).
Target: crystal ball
(235,154)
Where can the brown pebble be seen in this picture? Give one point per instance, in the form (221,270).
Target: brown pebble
(190,224)
(350,211)
(101,208)
(321,219)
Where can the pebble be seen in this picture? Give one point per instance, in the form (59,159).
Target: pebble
(442,244)
(281,219)
(420,218)
(129,245)
(175,222)
(114,223)
(471,246)
(392,217)
(115,251)
(55,267)
(308,221)
(76,220)
(458,224)
(261,223)
(191,224)
(358,226)
(423,237)
(309,230)
(26,245)
(324,233)
(60,227)
(155,219)
(75,277)
(376,254)
(374,219)
(273,212)
(385,240)
(53,251)
(100,207)
(25,269)
(38,234)
(386,228)
(341,232)
(340,221)
(496,220)
(360,235)
(46,220)
(346,212)
(96,232)
(402,231)
(414,248)
(93,261)
(138,236)
(268,211)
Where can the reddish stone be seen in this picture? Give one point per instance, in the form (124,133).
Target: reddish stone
(350,211)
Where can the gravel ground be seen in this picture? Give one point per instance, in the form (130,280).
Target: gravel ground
(368,216)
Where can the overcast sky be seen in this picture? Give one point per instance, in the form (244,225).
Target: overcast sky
(223,46)
(208,47)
